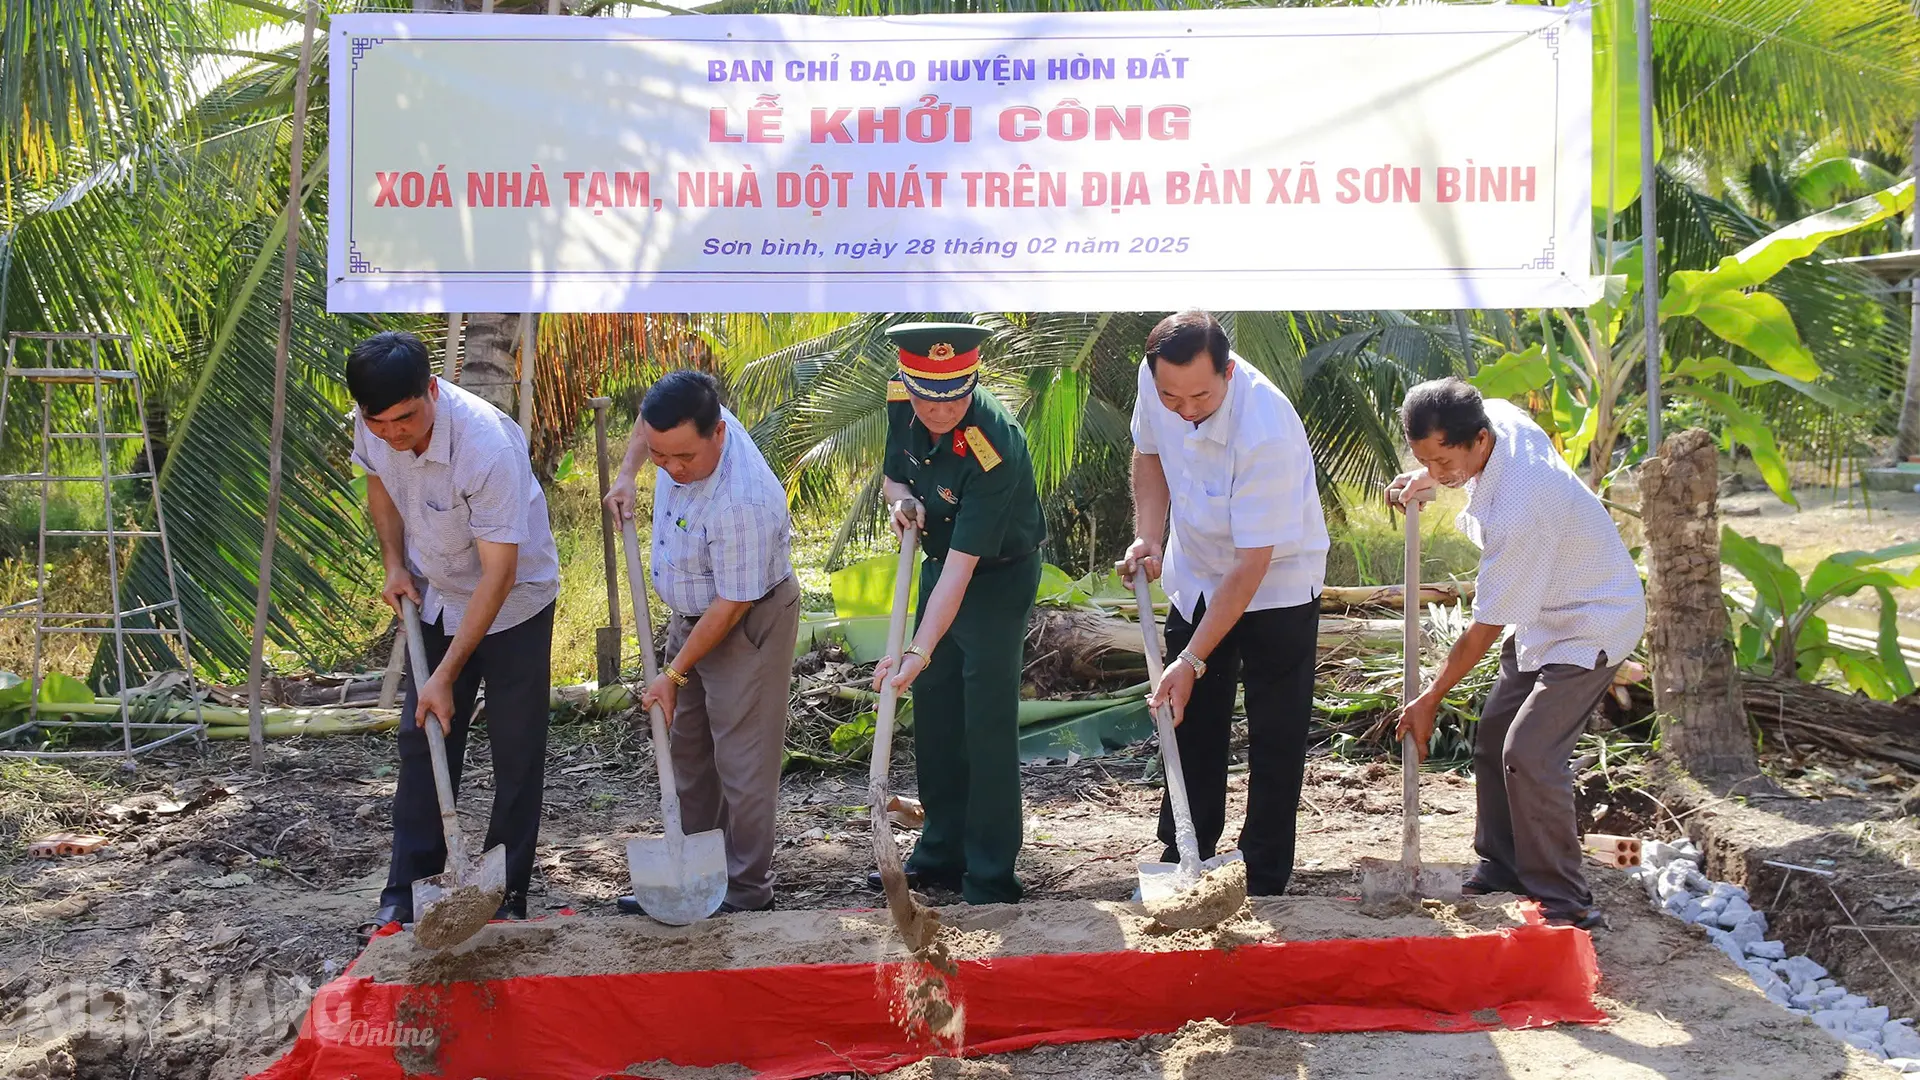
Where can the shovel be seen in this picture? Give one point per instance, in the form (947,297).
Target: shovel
(1161,883)
(677,879)
(450,907)
(1386,885)
(917,925)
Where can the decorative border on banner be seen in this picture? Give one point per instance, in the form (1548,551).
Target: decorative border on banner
(365,271)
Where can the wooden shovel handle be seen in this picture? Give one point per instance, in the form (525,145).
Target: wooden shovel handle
(650,669)
(1184,839)
(436,742)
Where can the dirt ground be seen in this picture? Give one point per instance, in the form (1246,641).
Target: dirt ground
(190,945)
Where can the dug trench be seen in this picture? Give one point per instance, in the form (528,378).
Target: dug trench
(191,944)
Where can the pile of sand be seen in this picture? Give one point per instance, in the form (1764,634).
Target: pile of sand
(586,945)
(1212,900)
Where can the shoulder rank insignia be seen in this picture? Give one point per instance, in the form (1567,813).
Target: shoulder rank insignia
(896,391)
(982,449)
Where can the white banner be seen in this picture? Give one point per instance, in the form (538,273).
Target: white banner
(1404,157)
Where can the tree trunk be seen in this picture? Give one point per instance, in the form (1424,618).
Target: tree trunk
(492,342)
(1703,724)
(493,339)
(1907,443)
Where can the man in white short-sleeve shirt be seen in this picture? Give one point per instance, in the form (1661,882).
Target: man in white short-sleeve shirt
(1220,452)
(1553,567)
(463,532)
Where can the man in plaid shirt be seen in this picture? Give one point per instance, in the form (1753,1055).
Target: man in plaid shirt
(721,534)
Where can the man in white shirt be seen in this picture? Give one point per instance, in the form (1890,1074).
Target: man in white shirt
(463,532)
(1553,567)
(1220,450)
(721,534)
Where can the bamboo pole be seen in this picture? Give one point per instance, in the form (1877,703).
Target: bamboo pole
(277,435)
(1649,247)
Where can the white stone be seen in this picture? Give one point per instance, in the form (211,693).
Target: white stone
(1746,934)
(1834,1020)
(1869,1043)
(1687,849)
(1905,1064)
(1767,950)
(1871,1020)
(1759,972)
(1900,1039)
(1778,993)
(1725,943)
(1798,968)
(1803,1001)
(1827,984)
(1721,888)
(1734,913)
(1852,1001)
(1658,853)
(1829,998)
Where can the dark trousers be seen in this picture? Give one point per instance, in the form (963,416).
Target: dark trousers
(1273,651)
(516,665)
(966,733)
(1527,833)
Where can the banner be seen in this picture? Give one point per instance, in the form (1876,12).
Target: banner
(1404,157)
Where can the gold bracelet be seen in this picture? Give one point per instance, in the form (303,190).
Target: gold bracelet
(678,679)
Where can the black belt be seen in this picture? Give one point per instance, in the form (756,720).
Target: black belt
(994,562)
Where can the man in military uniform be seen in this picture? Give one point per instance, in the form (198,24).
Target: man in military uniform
(957,467)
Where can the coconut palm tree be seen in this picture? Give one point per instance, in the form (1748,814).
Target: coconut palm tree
(143,189)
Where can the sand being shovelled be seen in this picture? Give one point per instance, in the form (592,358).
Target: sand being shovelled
(1212,900)
(584,945)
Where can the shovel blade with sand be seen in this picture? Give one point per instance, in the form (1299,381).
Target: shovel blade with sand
(677,879)
(1191,894)
(1387,885)
(450,907)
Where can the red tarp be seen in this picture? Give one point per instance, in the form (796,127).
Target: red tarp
(801,1021)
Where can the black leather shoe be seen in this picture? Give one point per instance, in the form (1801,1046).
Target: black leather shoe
(391,913)
(1486,880)
(628,905)
(1589,920)
(728,907)
(919,879)
(509,912)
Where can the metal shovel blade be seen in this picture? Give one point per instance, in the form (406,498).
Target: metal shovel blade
(449,908)
(1387,884)
(1163,880)
(680,891)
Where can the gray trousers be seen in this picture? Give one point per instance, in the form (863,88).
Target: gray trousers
(729,728)
(1527,834)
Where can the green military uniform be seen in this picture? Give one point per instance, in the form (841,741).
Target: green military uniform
(976,483)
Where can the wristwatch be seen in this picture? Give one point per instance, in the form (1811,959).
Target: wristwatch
(678,679)
(1198,665)
(914,650)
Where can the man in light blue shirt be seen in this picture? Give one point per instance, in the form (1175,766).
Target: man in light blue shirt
(721,539)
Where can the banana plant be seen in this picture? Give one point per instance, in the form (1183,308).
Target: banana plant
(1585,394)
(1784,633)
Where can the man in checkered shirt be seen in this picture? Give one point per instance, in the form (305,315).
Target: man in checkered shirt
(721,535)
(1553,567)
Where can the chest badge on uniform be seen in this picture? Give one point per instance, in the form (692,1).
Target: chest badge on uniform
(947,494)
